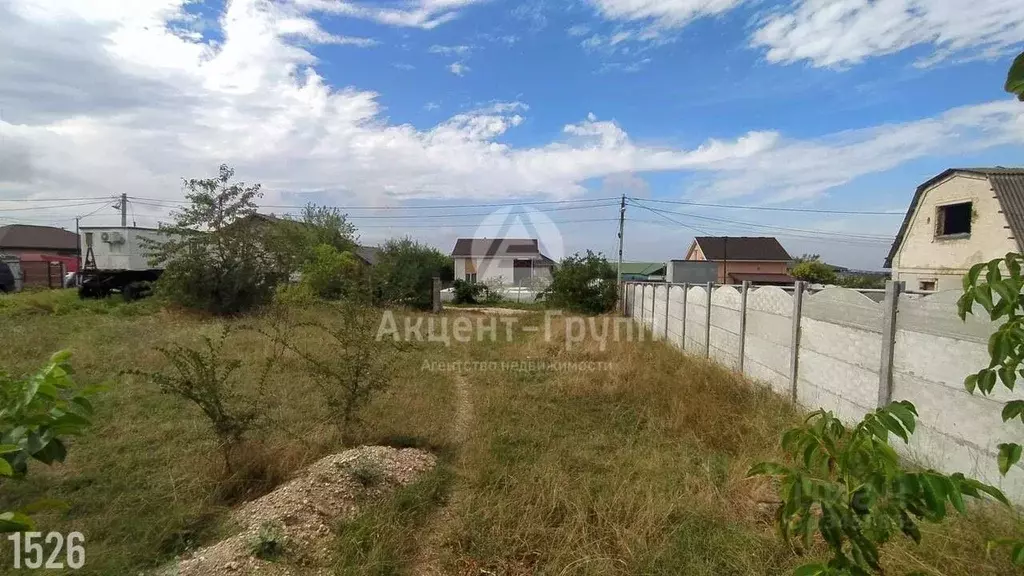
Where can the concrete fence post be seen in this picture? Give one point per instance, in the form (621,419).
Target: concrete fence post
(707,322)
(668,298)
(890,307)
(436,295)
(682,337)
(743,322)
(794,346)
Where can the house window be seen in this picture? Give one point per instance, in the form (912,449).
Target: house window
(953,219)
(926,285)
(471,277)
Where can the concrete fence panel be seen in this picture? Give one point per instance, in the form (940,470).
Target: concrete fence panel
(658,312)
(934,351)
(840,348)
(767,347)
(725,326)
(675,316)
(696,305)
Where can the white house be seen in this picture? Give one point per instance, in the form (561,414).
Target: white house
(511,261)
(957,219)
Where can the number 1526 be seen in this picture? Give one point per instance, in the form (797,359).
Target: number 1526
(64,550)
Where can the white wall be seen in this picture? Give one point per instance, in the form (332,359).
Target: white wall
(497,269)
(840,360)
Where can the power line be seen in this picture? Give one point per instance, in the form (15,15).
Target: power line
(144,199)
(774,208)
(673,220)
(30,208)
(866,237)
(56,199)
(420,216)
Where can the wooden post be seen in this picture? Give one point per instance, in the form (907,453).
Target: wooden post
(794,345)
(707,322)
(436,295)
(743,322)
(682,337)
(890,307)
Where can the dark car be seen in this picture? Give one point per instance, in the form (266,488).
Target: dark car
(7,281)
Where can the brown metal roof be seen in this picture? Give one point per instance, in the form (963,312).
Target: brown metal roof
(754,248)
(465,247)
(1008,185)
(37,237)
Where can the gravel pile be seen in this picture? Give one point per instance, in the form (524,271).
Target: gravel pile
(305,509)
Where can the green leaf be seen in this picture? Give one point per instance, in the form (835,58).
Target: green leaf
(906,415)
(956,498)
(14,522)
(971,279)
(983,294)
(1017,555)
(1009,454)
(1015,78)
(53,451)
(986,381)
(5,468)
(971,383)
(1008,376)
(1012,409)
(893,425)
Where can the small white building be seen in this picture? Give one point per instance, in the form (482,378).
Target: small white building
(957,219)
(510,261)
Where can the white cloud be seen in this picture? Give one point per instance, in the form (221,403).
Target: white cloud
(578,30)
(833,33)
(460,50)
(425,14)
(662,13)
(104,101)
(808,168)
(458,68)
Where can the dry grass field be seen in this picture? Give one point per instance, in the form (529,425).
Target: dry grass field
(638,468)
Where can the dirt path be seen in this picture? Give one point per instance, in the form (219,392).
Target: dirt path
(428,560)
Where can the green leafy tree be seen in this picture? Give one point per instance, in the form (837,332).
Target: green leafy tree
(294,242)
(405,271)
(332,275)
(848,486)
(216,256)
(36,414)
(814,271)
(583,283)
(1015,77)
(466,292)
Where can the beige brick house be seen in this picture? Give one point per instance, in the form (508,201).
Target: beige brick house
(761,259)
(956,219)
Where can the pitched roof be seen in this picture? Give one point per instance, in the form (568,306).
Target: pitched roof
(1008,185)
(368,254)
(753,248)
(37,237)
(478,247)
(643,268)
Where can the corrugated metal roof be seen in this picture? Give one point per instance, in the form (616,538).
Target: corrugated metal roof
(755,248)
(37,237)
(1008,184)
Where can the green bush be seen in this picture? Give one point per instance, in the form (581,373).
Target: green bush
(583,283)
(207,379)
(216,254)
(36,413)
(405,271)
(467,292)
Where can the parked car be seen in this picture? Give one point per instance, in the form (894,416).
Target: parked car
(8,281)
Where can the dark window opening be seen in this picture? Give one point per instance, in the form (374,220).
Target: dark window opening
(926,285)
(471,277)
(954,219)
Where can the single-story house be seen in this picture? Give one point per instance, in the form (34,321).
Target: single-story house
(956,219)
(18,239)
(758,259)
(643,271)
(510,261)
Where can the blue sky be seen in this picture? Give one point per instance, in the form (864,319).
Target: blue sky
(804,104)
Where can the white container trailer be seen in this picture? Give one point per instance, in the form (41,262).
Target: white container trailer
(116,259)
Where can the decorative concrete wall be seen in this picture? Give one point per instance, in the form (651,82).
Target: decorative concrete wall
(843,340)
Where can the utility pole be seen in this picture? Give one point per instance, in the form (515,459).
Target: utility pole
(124,210)
(78,244)
(622,226)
